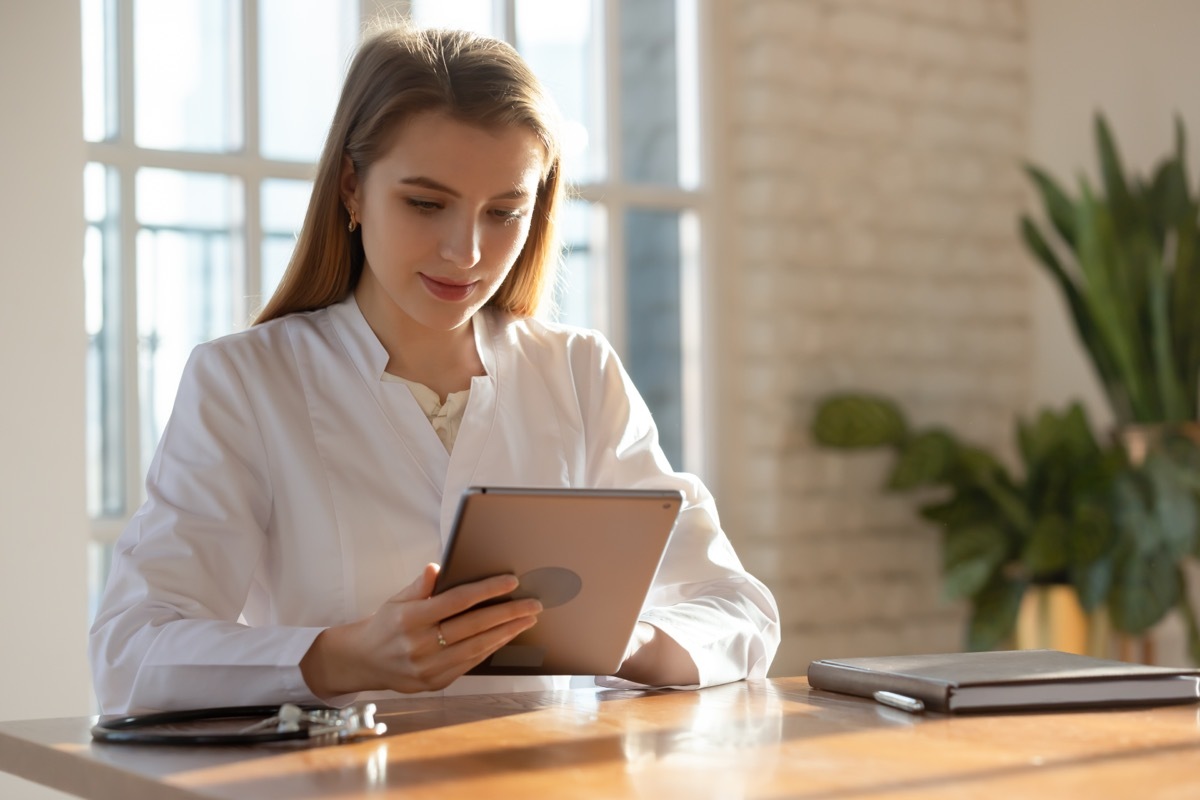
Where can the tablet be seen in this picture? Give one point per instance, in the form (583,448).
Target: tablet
(589,555)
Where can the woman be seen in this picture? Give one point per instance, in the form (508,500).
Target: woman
(300,495)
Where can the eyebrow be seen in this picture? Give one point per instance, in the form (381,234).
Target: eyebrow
(430,183)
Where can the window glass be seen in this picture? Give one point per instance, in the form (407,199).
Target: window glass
(465,15)
(579,288)
(654,325)
(649,101)
(102,289)
(97,27)
(188,256)
(303,54)
(283,205)
(188,74)
(562,43)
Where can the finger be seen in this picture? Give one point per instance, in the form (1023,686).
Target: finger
(421,587)
(458,658)
(443,665)
(472,623)
(461,598)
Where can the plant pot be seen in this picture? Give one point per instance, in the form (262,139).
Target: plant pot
(1051,618)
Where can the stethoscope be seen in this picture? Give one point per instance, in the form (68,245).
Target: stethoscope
(285,723)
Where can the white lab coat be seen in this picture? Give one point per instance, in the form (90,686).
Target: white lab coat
(293,489)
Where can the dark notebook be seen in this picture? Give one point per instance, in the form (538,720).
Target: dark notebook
(1007,680)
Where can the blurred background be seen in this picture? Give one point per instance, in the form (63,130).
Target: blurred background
(774,200)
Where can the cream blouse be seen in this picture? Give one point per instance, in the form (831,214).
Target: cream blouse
(446,418)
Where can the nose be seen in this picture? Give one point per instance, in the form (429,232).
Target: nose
(460,243)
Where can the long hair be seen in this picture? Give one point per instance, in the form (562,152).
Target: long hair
(396,73)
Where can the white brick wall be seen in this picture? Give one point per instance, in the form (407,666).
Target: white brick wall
(875,187)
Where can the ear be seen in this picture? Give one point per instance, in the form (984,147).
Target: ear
(348,184)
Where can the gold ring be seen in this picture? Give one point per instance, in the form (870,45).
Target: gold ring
(441,639)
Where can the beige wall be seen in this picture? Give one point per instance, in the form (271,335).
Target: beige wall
(871,173)
(43,602)
(873,187)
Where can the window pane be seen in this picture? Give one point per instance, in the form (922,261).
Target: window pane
(102,303)
(563,44)
(653,320)
(98,32)
(283,205)
(188,74)
(467,15)
(649,105)
(304,53)
(579,292)
(187,263)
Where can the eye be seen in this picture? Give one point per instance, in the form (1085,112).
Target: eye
(508,215)
(423,206)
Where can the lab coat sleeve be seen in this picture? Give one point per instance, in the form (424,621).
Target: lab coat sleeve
(702,597)
(167,634)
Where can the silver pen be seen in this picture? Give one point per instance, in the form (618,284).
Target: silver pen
(910,704)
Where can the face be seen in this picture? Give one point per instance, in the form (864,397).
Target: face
(444,214)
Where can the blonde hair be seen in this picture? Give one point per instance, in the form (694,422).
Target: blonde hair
(396,73)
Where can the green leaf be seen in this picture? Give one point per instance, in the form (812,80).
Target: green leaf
(1132,506)
(1171,397)
(994,613)
(1120,200)
(971,556)
(965,507)
(1144,589)
(1046,551)
(1174,508)
(1091,534)
(981,469)
(858,421)
(1058,206)
(1092,582)
(1077,434)
(1107,295)
(924,459)
(1156,508)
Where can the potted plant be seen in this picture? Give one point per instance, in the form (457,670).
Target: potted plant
(1115,521)
(1078,513)
(1127,262)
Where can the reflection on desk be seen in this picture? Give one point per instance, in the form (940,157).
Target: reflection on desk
(771,739)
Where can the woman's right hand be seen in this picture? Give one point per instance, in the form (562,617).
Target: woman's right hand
(400,647)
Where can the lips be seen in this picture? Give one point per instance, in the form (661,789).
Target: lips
(447,290)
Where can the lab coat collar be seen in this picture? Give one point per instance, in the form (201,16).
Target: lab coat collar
(368,353)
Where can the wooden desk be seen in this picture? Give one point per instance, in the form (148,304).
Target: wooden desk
(774,739)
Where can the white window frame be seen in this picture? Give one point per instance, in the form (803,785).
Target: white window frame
(692,201)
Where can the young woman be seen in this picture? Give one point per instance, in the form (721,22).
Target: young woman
(309,474)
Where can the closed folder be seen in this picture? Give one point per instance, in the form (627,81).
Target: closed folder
(1007,680)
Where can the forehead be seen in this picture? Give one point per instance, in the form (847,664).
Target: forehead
(462,155)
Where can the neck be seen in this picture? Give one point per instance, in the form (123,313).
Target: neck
(445,361)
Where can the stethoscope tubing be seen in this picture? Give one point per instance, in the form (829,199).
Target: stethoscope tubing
(132,729)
